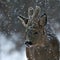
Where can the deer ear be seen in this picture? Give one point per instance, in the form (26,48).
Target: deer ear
(43,20)
(23,20)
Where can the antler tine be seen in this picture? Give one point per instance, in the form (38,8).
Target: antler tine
(36,12)
(30,12)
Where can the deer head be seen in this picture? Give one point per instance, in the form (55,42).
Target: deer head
(35,25)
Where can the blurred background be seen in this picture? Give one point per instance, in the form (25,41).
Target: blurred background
(12,32)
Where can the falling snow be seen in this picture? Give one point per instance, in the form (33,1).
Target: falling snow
(12,29)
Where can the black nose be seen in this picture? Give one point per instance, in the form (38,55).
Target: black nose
(28,43)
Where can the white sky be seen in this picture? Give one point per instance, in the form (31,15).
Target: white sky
(6,46)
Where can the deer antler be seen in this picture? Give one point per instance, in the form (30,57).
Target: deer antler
(36,12)
(31,15)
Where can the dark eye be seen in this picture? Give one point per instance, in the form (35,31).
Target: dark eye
(35,32)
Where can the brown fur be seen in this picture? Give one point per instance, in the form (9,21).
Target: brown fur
(45,45)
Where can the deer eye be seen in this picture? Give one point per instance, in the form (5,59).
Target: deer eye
(35,32)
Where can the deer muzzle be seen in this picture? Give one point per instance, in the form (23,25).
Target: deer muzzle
(28,43)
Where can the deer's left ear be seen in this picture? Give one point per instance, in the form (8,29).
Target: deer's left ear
(23,20)
(43,20)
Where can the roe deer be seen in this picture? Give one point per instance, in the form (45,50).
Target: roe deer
(41,42)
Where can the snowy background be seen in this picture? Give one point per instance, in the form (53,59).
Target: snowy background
(12,32)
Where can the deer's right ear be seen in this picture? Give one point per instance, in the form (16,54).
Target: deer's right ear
(43,20)
(23,20)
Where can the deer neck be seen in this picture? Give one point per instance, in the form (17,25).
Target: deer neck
(43,37)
